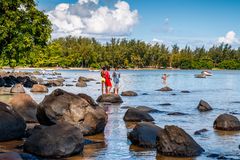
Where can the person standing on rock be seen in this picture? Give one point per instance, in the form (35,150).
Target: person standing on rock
(108,82)
(103,79)
(164,79)
(116,80)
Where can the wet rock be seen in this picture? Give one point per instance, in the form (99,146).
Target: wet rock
(145,94)
(199,132)
(147,109)
(185,91)
(203,106)
(25,106)
(39,88)
(174,94)
(165,89)
(112,98)
(85,79)
(174,141)
(200,76)
(165,104)
(236,102)
(129,93)
(54,83)
(2,82)
(81,84)
(98,82)
(177,114)
(144,135)
(12,125)
(61,106)
(136,115)
(10,156)
(28,83)
(56,141)
(227,122)
(17,88)
(126,107)
(69,85)
(8,81)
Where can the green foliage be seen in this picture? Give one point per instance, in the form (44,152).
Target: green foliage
(22,27)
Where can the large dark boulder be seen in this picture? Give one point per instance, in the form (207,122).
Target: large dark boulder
(144,135)
(2,82)
(203,106)
(12,125)
(56,141)
(227,122)
(129,93)
(89,99)
(62,106)
(112,98)
(165,89)
(8,81)
(28,83)
(39,88)
(17,88)
(136,115)
(25,106)
(174,141)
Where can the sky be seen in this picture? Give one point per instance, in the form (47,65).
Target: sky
(184,22)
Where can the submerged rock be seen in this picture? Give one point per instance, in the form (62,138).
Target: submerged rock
(129,93)
(61,106)
(81,84)
(56,141)
(165,89)
(136,115)
(165,104)
(174,141)
(199,132)
(12,125)
(147,109)
(203,106)
(227,122)
(185,91)
(17,88)
(39,88)
(144,135)
(177,114)
(112,98)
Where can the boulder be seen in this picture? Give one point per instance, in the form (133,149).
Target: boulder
(203,106)
(8,81)
(129,93)
(17,88)
(136,115)
(85,79)
(227,122)
(54,83)
(2,82)
(12,125)
(165,89)
(147,109)
(87,98)
(25,106)
(144,135)
(28,83)
(62,106)
(81,84)
(174,141)
(199,132)
(111,98)
(10,156)
(39,88)
(56,141)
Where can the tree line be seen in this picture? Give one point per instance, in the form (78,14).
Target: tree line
(25,41)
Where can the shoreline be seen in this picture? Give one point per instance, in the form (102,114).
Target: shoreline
(91,69)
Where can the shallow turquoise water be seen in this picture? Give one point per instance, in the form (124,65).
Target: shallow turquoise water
(219,90)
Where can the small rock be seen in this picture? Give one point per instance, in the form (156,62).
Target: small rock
(185,91)
(227,122)
(129,93)
(39,88)
(177,114)
(135,115)
(69,85)
(165,89)
(144,94)
(165,104)
(81,84)
(174,94)
(112,98)
(98,82)
(17,88)
(147,109)
(200,131)
(203,106)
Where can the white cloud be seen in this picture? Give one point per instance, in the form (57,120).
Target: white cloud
(88,18)
(156,40)
(230,38)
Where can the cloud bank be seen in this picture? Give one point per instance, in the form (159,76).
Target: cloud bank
(230,38)
(89,18)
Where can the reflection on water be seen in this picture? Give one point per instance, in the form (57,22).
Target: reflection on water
(219,90)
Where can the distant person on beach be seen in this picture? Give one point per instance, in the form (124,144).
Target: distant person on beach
(116,80)
(108,82)
(103,80)
(164,79)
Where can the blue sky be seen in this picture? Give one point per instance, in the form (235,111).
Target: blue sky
(192,22)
